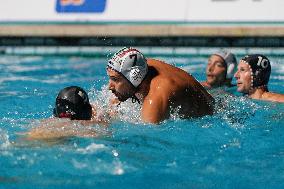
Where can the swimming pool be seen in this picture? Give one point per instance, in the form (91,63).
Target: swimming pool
(241,146)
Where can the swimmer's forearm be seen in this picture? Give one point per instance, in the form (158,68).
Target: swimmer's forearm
(56,133)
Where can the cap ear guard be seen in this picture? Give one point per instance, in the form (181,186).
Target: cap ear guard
(257,78)
(85,113)
(260,78)
(230,71)
(136,76)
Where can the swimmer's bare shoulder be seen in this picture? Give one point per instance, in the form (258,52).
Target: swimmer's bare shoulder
(180,77)
(173,87)
(273,97)
(166,92)
(156,104)
(179,80)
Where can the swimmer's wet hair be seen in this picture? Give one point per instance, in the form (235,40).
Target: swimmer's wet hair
(73,102)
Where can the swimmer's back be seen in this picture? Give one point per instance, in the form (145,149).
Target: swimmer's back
(183,86)
(177,76)
(168,71)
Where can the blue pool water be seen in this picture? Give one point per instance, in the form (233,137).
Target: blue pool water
(241,146)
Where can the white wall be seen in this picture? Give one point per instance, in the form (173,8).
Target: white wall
(236,10)
(149,10)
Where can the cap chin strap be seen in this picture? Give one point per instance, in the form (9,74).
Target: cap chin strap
(135,99)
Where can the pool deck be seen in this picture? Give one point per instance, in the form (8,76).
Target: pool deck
(81,30)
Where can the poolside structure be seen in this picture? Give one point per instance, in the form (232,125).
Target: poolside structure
(187,35)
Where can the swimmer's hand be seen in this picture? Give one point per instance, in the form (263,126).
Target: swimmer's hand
(105,115)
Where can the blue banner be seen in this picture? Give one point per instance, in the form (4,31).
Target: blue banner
(80,6)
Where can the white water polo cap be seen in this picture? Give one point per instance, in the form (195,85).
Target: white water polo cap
(230,60)
(131,63)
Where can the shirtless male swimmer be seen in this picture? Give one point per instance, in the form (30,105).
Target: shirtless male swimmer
(253,76)
(160,87)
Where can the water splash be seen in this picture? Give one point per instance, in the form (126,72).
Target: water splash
(4,139)
(92,148)
(235,111)
(125,111)
(107,160)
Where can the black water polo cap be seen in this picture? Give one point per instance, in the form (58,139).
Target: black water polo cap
(260,69)
(73,102)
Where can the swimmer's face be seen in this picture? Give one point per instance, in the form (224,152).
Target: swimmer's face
(119,85)
(216,71)
(243,76)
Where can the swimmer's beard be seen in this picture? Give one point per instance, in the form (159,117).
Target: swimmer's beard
(122,98)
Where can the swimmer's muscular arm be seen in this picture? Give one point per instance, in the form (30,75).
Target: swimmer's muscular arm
(53,128)
(156,106)
(154,110)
